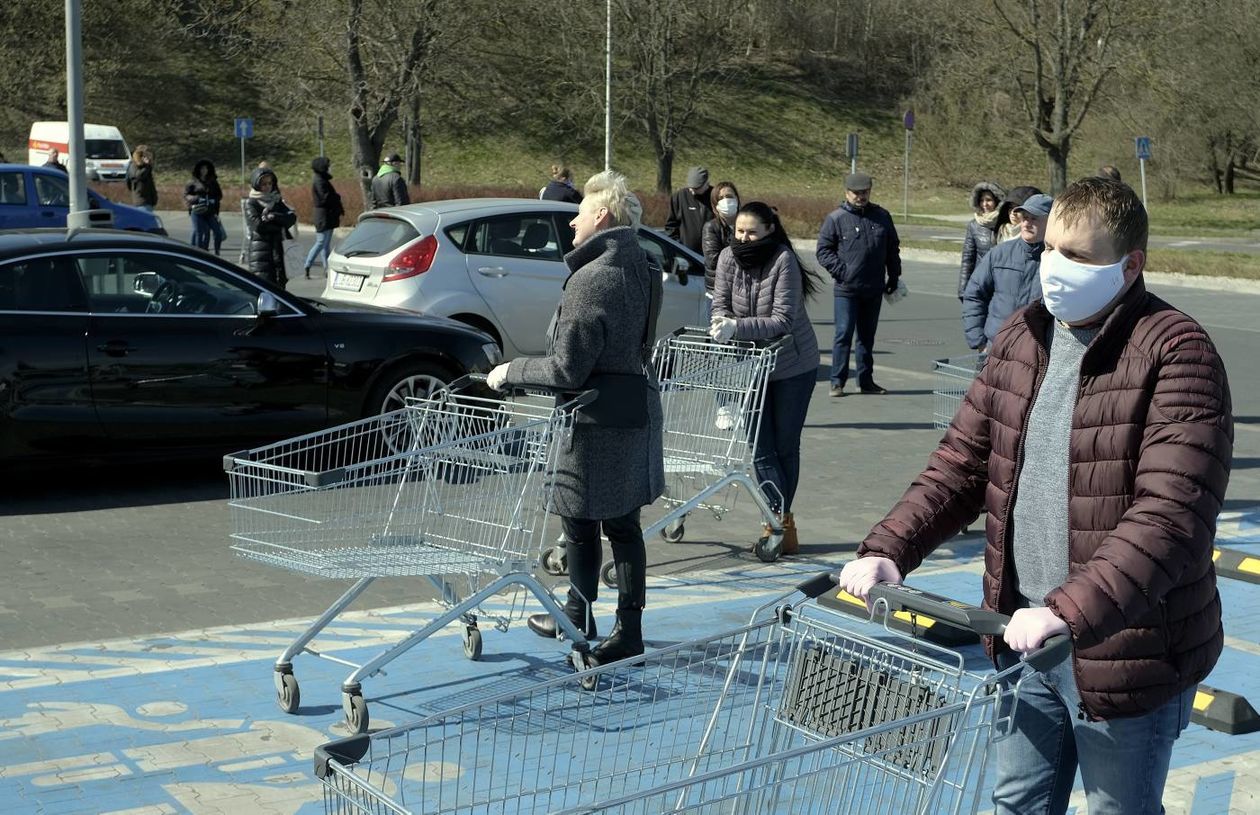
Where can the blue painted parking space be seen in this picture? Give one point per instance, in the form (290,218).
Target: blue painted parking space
(187,723)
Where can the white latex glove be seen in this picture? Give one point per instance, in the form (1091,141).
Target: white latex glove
(859,576)
(497,378)
(722,328)
(1030,627)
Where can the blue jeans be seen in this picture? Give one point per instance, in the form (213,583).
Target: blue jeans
(323,243)
(201,229)
(860,313)
(218,231)
(1123,762)
(777,458)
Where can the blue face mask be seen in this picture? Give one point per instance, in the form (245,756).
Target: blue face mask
(1074,291)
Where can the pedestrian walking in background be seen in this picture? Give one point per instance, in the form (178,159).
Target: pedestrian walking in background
(1008,218)
(982,229)
(690,209)
(1007,279)
(388,188)
(140,178)
(268,218)
(202,197)
(54,161)
(759,294)
(327,213)
(718,230)
(859,248)
(560,187)
(613,463)
(1098,436)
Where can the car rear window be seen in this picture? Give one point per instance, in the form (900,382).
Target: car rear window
(377,236)
(458,234)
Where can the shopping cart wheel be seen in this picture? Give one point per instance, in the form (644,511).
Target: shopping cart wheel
(674,530)
(608,574)
(472,642)
(288,697)
(356,712)
(768,549)
(554,561)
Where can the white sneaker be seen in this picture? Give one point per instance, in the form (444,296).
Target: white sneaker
(726,417)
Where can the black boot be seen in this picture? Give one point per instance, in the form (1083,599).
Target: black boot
(544,625)
(625,640)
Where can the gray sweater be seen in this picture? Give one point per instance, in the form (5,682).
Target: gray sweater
(604,472)
(1040,514)
(768,303)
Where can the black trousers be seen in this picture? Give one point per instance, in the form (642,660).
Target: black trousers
(585,556)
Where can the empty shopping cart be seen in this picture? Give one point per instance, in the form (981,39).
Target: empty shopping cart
(953,377)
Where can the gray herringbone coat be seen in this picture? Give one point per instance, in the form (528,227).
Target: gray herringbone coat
(603,472)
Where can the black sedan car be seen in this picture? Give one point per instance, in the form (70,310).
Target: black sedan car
(117,344)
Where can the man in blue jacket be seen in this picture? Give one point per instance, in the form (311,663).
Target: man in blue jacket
(1008,277)
(858,247)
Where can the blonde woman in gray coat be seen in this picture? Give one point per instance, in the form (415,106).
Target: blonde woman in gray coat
(759,293)
(601,339)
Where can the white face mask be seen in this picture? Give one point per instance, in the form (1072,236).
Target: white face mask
(727,207)
(1077,291)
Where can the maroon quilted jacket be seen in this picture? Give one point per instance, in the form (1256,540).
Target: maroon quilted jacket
(1152,440)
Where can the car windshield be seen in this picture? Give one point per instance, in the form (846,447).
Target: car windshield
(377,236)
(104,148)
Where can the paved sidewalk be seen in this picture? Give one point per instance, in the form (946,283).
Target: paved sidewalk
(186,723)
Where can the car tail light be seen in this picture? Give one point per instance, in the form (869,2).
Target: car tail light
(412,261)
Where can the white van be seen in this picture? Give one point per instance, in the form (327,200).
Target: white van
(106,151)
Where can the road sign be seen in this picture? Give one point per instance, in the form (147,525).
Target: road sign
(908,120)
(1143,147)
(244,128)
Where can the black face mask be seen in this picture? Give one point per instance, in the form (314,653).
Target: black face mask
(754,254)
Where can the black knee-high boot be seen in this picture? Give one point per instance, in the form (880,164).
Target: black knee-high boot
(626,638)
(584,560)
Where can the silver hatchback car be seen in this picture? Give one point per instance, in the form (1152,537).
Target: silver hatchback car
(494,263)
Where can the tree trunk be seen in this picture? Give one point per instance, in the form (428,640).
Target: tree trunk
(665,171)
(411,137)
(1057,160)
(1229,175)
(365,156)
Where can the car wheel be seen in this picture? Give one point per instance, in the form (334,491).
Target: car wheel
(417,379)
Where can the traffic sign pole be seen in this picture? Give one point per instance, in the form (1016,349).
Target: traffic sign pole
(908,121)
(244,127)
(1143,147)
(851,145)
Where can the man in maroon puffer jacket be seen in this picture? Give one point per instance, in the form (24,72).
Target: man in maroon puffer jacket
(1098,437)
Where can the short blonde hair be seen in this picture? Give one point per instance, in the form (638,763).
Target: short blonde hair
(610,191)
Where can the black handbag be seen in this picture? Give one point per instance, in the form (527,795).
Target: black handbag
(623,398)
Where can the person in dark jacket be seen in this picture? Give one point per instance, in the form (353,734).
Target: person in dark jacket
(981,230)
(140,178)
(760,295)
(268,218)
(612,465)
(560,187)
(690,209)
(388,188)
(1007,278)
(54,161)
(718,231)
(202,196)
(1098,436)
(327,213)
(859,248)
(1008,219)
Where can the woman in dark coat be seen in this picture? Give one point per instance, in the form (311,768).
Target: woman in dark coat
(202,196)
(560,187)
(982,230)
(268,218)
(613,465)
(328,212)
(760,294)
(716,234)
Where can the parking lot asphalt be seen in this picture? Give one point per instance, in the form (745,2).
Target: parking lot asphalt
(105,568)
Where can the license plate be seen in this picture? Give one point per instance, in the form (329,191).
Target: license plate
(348,282)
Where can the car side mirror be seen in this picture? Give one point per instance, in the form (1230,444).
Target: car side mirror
(147,283)
(682,267)
(268,305)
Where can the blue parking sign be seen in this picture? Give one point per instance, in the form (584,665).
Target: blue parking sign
(244,128)
(1143,147)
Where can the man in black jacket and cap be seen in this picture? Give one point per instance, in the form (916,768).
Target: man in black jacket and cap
(689,210)
(388,188)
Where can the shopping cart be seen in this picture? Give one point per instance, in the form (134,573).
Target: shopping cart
(803,710)
(953,377)
(453,488)
(712,395)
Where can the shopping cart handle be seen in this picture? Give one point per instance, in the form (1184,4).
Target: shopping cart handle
(345,752)
(900,597)
(581,399)
(818,585)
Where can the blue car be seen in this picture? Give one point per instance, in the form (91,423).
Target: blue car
(32,197)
